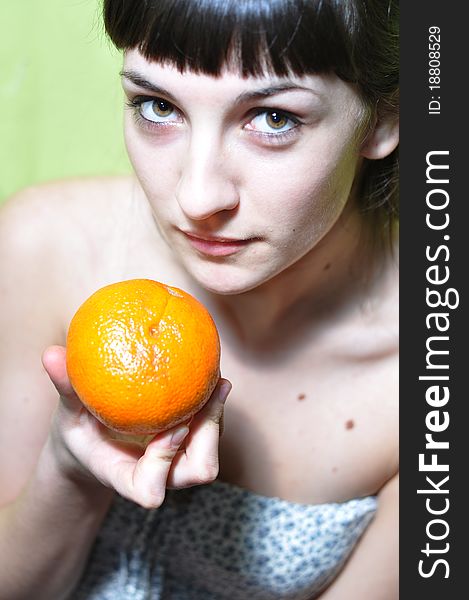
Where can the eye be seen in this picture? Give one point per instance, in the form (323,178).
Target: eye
(158,110)
(272,122)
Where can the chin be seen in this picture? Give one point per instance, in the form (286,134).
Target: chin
(227,280)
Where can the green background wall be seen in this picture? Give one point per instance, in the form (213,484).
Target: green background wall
(60,96)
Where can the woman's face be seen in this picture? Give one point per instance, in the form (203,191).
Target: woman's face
(244,175)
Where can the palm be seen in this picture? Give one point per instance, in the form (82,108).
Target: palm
(137,468)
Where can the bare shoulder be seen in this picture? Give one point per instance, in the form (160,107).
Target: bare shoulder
(45,226)
(45,244)
(46,205)
(71,237)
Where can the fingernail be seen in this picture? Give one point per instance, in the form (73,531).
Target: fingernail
(178,436)
(225,389)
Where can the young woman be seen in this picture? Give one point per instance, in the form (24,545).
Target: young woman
(263,137)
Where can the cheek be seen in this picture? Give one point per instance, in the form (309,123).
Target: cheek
(307,196)
(154,165)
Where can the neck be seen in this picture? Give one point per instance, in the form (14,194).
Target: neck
(339,276)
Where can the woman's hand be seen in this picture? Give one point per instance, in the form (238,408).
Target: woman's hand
(177,458)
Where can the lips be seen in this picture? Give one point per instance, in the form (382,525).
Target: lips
(217,246)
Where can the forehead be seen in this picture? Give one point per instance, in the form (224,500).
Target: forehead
(231,85)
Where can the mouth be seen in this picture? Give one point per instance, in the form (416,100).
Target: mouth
(217,246)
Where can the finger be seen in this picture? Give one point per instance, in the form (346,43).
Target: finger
(198,464)
(145,481)
(54,362)
(213,410)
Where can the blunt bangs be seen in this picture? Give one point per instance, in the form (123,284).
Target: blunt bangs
(254,37)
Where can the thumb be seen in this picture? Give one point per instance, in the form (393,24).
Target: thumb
(54,362)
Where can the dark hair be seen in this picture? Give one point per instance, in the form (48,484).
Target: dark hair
(356,39)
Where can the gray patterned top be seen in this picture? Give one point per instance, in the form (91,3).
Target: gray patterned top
(222,542)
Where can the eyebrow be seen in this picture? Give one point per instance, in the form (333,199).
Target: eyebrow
(140,81)
(274,90)
(265,92)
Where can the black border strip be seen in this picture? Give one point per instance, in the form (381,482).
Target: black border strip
(439,128)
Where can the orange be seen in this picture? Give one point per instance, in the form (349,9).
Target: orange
(142,356)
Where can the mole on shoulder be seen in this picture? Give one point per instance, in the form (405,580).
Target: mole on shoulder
(301,396)
(327,266)
(350,424)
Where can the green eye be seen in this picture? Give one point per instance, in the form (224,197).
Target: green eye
(272,122)
(158,110)
(161,108)
(276,120)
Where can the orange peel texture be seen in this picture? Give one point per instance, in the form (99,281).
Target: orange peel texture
(142,356)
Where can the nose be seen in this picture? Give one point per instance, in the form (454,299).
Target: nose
(207,184)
